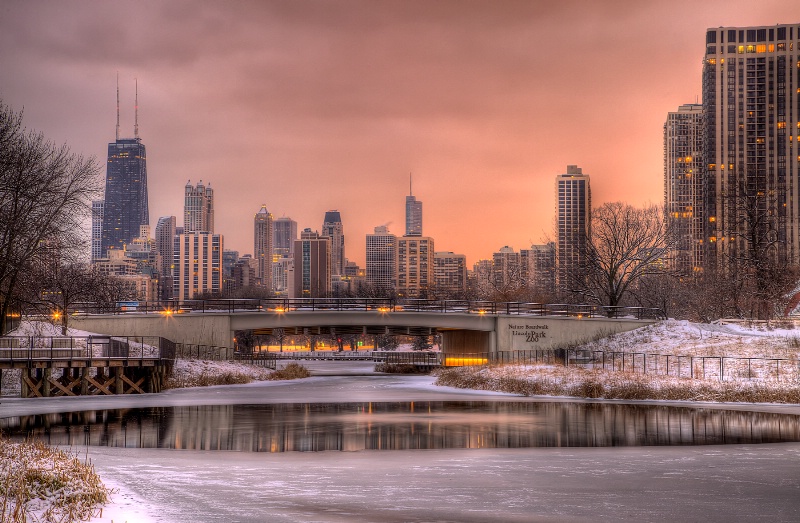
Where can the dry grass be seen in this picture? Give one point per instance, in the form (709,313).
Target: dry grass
(291,371)
(582,383)
(207,379)
(43,484)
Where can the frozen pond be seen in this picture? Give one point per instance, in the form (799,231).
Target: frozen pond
(417,425)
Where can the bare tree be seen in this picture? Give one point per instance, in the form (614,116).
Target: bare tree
(45,195)
(625,244)
(756,257)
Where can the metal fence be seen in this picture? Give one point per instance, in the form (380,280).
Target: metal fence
(722,368)
(193,351)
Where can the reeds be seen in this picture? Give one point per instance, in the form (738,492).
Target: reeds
(207,374)
(44,484)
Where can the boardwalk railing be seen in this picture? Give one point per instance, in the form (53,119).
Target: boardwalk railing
(15,349)
(383,305)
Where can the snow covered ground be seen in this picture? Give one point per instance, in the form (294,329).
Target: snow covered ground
(681,337)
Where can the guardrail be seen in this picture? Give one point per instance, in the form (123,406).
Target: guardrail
(382,305)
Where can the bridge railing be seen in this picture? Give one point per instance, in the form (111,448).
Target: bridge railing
(382,305)
(49,348)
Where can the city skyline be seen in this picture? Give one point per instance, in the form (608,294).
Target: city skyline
(484,105)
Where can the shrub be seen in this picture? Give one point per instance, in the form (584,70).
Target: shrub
(400,368)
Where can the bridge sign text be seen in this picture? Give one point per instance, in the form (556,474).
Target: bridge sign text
(523,336)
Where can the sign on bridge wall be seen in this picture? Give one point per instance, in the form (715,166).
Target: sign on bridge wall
(528,335)
(539,333)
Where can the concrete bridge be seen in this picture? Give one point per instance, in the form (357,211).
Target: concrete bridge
(465,326)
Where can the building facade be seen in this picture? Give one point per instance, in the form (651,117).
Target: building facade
(683,186)
(262,246)
(381,269)
(97,229)
(450,273)
(197,265)
(573,222)
(312,266)
(198,208)
(751,101)
(415,266)
(539,267)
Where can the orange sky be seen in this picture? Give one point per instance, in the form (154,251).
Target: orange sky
(312,106)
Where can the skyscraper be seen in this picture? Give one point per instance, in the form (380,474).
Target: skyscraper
(382,260)
(198,208)
(751,101)
(413,214)
(284,235)
(332,228)
(125,203)
(262,247)
(683,185)
(573,222)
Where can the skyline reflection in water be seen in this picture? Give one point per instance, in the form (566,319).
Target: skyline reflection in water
(403,426)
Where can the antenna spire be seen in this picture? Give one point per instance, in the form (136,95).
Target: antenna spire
(410,192)
(117,105)
(136,111)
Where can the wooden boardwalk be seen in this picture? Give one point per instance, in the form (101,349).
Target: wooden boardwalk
(92,365)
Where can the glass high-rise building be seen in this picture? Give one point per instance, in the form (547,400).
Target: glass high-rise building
(751,104)
(125,201)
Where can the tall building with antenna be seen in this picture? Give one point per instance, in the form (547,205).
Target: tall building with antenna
(125,203)
(413,213)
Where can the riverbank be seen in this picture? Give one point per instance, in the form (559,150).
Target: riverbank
(709,483)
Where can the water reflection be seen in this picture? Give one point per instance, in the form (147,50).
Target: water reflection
(400,426)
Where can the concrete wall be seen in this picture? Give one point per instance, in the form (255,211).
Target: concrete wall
(199,329)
